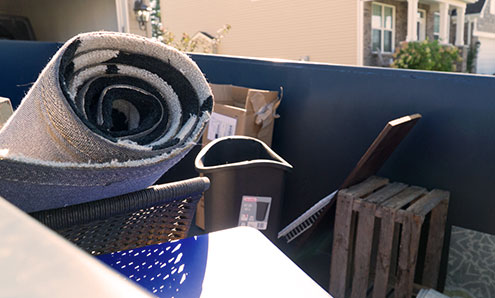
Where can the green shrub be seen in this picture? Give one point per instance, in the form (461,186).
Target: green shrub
(426,55)
(471,57)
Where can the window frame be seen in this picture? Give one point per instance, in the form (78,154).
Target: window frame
(436,35)
(382,28)
(418,22)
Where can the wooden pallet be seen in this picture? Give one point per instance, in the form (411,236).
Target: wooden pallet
(376,238)
(372,160)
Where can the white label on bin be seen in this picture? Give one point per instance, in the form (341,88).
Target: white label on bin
(255,211)
(221,126)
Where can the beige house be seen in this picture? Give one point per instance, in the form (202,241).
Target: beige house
(321,29)
(481,34)
(56,20)
(356,32)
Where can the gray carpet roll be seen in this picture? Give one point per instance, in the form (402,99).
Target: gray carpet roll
(108,115)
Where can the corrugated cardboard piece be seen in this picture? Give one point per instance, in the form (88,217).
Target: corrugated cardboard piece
(240,111)
(5,110)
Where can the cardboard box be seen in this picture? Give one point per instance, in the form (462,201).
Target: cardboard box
(5,110)
(242,111)
(239,111)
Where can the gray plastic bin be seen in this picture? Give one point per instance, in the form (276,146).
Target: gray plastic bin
(243,172)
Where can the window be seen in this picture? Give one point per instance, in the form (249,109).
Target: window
(382,28)
(421,24)
(436,26)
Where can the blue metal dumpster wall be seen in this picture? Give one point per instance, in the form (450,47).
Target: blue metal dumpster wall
(330,115)
(20,64)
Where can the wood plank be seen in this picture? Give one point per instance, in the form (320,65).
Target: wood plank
(361,189)
(405,197)
(400,216)
(425,204)
(369,164)
(408,254)
(362,254)
(381,149)
(352,251)
(434,244)
(385,193)
(417,222)
(340,251)
(384,255)
(359,204)
(403,270)
(395,251)
(374,253)
(366,187)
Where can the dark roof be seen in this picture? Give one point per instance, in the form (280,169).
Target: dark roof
(475,7)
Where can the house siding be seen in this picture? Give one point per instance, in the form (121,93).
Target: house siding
(487,22)
(326,31)
(54,20)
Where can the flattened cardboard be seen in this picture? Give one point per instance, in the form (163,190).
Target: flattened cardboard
(253,109)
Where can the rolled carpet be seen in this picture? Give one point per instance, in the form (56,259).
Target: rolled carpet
(108,115)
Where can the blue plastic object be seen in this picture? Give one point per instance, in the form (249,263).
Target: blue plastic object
(171,269)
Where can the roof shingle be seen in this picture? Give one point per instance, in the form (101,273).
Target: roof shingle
(475,7)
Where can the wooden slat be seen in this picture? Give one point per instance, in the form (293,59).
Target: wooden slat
(395,250)
(367,264)
(362,255)
(400,216)
(392,206)
(359,204)
(384,255)
(340,251)
(408,253)
(403,268)
(361,189)
(381,149)
(405,197)
(369,164)
(366,187)
(416,222)
(352,250)
(374,252)
(425,204)
(386,193)
(434,245)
